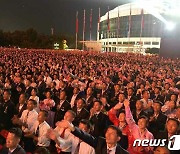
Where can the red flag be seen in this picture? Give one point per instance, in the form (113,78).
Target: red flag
(99,18)
(108,21)
(77,22)
(90,20)
(129,32)
(90,26)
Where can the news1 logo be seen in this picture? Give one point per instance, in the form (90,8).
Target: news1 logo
(173,144)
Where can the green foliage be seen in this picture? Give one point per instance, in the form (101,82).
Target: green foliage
(32,39)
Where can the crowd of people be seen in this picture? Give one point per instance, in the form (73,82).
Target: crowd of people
(78,102)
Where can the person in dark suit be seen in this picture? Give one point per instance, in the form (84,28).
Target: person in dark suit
(99,119)
(157,120)
(62,107)
(12,142)
(155,95)
(28,88)
(81,111)
(41,87)
(132,98)
(138,112)
(89,97)
(101,145)
(21,106)
(172,126)
(7,110)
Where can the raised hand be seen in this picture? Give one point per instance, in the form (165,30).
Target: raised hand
(118,106)
(126,103)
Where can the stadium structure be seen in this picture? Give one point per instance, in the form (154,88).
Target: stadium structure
(132,28)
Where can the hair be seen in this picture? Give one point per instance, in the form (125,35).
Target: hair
(84,101)
(144,117)
(25,95)
(72,112)
(35,89)
(86,122)
(99,101)
(144,91)
(16,131)
(8,91)
(122,111)
(159,102)
(45,113)
(33,101)
(118,131)
(41,150)
(173,119)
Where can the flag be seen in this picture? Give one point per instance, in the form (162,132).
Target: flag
(108,22)
(99,19)
(90,26)
(90,20)
(77,22)
(129,32)
(118,23)
(142,21)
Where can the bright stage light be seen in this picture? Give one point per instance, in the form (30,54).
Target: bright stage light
(170,25)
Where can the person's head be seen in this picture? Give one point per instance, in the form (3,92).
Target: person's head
(121,97)
(157,90)
(13,138)
(7,95)
(69,116)
(52,85)
(142,122)
(157,106)
(172,125)
(76,90)
(27,83)
(34,92)
(41,150)
(40,78)
(48,94)
(104,86)
(167,86)
(117,87)
(139,105)
(172,105)
(62,95)
(80,103)
(85,125)
(122,116)
(97,105)
(89,91)
(113,134)
(146,94)
(31,104)
(130,91)
(22,98)
(42,116)
(173,97)
(161,150)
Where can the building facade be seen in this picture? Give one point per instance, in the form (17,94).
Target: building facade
(130,29)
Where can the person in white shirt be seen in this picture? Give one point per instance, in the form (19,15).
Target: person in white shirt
(74,97)
(35,97)
(27,120)
(39,130)
(77,145)
(28,117)
(47,79)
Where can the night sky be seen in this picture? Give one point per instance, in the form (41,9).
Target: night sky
(59,14)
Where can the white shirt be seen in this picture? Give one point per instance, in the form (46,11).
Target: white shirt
(36,98)
(72,142)
(31,118)
(42,137)
(57,83)
(113,150)
(73,100)
(20,107)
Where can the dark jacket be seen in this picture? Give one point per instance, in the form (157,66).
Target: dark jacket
(18,150)
(59,115)
(98,143)
(84,114)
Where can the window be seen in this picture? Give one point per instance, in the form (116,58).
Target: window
(147,43)
(155,43)
(114,42)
